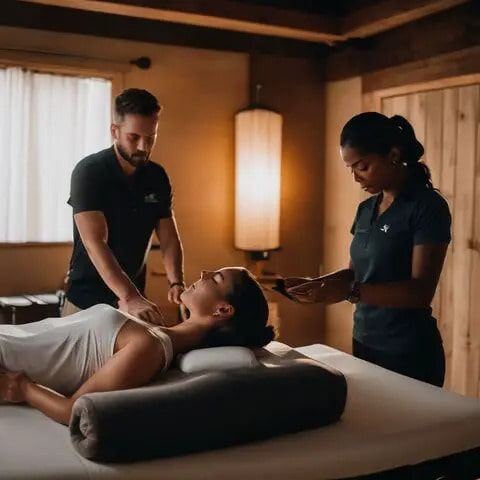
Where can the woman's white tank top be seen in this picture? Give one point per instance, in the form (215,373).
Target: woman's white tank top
(62,353)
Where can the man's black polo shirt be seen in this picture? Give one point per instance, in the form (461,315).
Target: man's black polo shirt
(132,206)
(382,251)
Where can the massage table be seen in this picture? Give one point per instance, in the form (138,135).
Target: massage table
(393,427)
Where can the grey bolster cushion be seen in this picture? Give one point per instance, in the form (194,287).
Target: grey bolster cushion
(206,411)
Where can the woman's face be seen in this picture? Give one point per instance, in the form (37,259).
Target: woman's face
(211,290)
(373,172)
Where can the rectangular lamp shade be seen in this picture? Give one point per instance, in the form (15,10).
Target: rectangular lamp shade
(258,145)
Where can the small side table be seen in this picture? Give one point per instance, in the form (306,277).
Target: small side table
(27,308)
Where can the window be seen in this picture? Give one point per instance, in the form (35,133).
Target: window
(48,122)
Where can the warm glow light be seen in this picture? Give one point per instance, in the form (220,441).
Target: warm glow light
(258,138)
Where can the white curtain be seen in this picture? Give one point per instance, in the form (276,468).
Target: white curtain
(47,124)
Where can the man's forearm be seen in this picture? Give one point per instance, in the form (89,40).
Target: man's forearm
(172,256)
(109,269)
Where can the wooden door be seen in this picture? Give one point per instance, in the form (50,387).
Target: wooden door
(446,121)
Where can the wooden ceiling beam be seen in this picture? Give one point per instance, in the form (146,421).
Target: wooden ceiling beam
(223,15)
(387,14)
(266,20)
(462,63)
(45,17)
(439,34)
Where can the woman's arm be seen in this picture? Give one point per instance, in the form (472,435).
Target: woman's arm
(427,264)
(132,366)
(346,274)
(418,292)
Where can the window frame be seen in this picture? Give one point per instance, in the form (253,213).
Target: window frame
(80,67)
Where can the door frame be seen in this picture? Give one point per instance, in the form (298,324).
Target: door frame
(372,101)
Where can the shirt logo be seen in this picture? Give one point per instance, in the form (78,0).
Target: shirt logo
(385,228)
(150,198)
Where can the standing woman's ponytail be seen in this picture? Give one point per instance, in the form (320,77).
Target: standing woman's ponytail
(412,151)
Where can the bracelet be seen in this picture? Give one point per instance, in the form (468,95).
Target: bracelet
(175,284)
(353,295)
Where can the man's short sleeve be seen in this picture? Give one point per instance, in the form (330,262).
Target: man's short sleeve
(85,189)
(432,222)
(166,197)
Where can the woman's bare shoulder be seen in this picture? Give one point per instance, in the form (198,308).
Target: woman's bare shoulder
(132,332)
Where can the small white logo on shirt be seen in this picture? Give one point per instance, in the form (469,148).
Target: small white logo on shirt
(385,228)
(150,198)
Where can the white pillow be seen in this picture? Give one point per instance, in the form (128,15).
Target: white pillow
(216,358)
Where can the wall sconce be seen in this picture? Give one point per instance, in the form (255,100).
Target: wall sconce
(258,148)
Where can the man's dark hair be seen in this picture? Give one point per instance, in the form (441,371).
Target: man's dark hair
(135,101)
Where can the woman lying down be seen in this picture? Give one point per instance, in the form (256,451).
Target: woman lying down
(49,364)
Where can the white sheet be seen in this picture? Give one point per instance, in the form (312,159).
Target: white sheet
(389,421)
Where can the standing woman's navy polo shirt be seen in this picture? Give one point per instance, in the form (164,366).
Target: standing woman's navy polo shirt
(382,251)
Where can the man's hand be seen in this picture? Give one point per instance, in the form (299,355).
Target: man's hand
(12,386)
(174,293)
(140,307)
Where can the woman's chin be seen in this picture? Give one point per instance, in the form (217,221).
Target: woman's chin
(371,190)
(186,293)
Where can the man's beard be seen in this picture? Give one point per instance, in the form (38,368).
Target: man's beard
(135,160)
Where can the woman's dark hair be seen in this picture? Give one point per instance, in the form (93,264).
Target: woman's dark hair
(135,101)
(248,326)
(373,132)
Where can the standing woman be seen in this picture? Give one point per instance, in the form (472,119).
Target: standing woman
(400,239)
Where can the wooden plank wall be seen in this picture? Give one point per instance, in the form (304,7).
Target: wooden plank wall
(447,122)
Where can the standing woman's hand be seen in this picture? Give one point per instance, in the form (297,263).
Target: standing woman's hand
(291,282)
(283,284)
(327,291)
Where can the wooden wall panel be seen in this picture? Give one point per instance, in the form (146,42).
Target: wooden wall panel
(433,134)
(469,103)
(446,121)
(463,231)
(388,106)
(447,187)
(475,283)
(341,197)
(433,158)
(416,114)
(399,106)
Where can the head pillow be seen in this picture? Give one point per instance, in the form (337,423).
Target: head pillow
(216,358)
